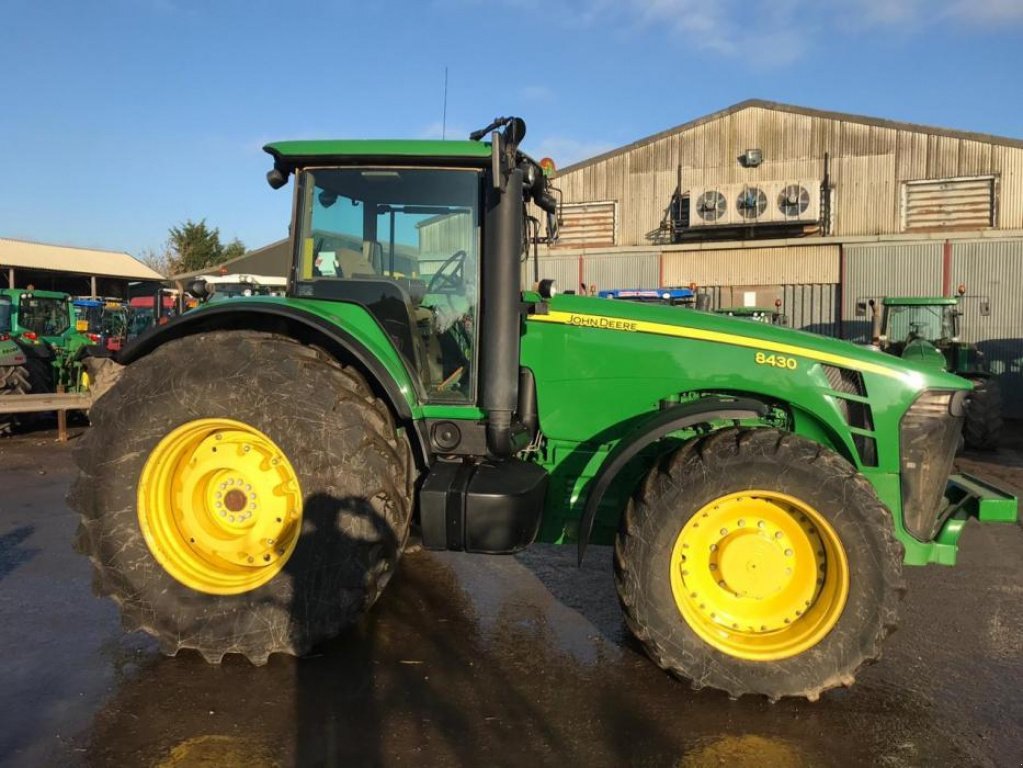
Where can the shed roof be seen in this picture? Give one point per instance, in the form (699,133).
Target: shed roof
(809,112)
(24,254)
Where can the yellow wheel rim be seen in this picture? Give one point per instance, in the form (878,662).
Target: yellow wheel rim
(219,506)
(759,575)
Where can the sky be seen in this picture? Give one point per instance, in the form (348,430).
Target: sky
(122,118)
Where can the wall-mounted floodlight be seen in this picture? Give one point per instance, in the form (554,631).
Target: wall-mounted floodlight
(751,158)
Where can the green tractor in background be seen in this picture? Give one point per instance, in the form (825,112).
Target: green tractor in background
(769,315)
(256,467)
(925,330)
(14,377)
(42,325)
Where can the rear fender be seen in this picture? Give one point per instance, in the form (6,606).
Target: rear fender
(349,346)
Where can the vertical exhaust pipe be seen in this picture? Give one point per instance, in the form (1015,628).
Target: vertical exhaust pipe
(499,350)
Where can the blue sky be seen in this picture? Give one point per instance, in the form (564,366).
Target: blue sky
(122,118)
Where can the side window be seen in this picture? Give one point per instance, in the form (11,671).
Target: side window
(404,242)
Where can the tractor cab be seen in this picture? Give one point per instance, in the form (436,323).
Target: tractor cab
(40,317)
(405,237)
(924,329)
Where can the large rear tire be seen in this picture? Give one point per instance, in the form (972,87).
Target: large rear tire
(983,428)
(170,514)
(14,380)
(756,561)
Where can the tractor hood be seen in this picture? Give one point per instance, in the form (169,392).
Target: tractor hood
(673,322)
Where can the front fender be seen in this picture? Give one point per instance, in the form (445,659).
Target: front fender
(682,416)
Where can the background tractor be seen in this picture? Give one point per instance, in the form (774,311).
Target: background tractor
(769,315)
(213,288)
(672,296)
(925,330)
(42,326)
(256,467)
(104,321)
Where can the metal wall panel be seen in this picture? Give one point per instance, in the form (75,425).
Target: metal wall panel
(752,266)
(563,269)
(811,308)
(993,270)
(889,269)
(633,270)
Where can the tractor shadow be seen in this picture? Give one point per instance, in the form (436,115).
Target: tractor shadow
(12,552)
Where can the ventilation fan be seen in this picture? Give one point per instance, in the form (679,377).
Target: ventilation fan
(793,201)
(751,203)
(711,205)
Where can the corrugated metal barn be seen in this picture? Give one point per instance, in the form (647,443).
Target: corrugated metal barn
(822,210)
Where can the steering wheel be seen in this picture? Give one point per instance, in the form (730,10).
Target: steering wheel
(451,275)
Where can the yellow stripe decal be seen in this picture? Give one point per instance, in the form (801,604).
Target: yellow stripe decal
(642,326)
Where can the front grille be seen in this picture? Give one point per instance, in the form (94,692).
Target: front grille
(856,414)
(845,380)
(928,438)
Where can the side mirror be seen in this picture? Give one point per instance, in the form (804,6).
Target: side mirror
(861,309)
(985,308)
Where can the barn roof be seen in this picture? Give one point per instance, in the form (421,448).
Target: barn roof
(797,110)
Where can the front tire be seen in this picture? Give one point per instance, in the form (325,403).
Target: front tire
(790,585)
(242,493)
(982,430)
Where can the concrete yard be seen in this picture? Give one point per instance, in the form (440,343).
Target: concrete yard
(468,660)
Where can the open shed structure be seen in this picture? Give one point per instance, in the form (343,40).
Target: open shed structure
(78,271)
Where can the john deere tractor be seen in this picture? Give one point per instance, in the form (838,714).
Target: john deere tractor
(925,329)
(257,467)
(41,324)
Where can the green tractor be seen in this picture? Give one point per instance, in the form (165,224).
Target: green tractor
(257,467)
(42,325)
(925,330)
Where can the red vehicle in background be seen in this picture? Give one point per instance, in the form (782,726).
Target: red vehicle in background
(145,312)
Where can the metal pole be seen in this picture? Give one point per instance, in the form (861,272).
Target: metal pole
(61,419)
(10,277)
(92,286)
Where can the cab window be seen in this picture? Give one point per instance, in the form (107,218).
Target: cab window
(411,234)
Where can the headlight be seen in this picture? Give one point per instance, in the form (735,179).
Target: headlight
(928,438)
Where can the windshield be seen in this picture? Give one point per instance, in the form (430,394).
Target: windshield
(5,315)
(930,323)
(44,316)
(414,233)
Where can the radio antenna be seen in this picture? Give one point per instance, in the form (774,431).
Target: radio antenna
(444,119)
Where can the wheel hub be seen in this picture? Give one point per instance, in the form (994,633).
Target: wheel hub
(219,506)
(759,575)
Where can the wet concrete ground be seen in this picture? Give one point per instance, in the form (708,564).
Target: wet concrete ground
(469,660)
